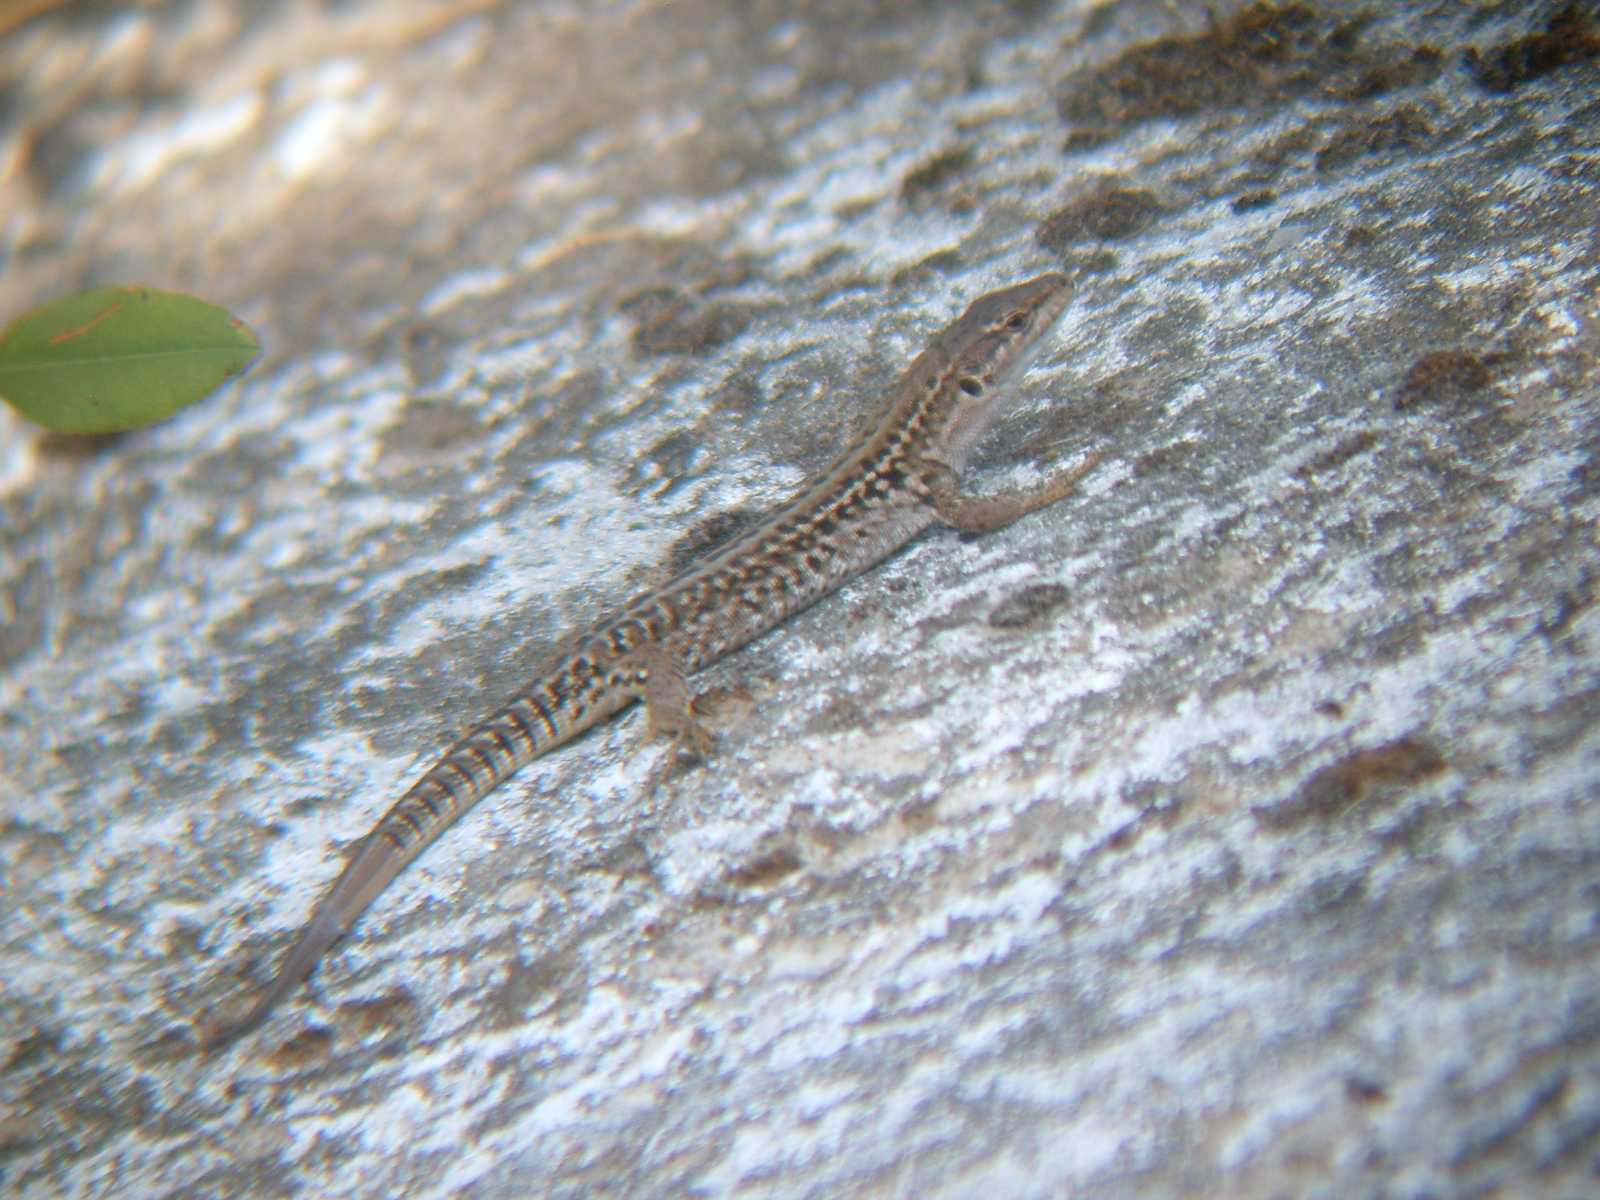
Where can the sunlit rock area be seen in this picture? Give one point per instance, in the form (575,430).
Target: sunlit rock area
(1231,828)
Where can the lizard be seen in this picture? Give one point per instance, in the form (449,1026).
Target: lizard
(895,480)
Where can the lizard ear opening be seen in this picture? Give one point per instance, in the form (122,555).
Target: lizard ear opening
(971,386)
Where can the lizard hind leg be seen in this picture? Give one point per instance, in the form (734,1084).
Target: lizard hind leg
(669,704)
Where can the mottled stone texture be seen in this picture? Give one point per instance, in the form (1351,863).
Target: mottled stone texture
(1231,830)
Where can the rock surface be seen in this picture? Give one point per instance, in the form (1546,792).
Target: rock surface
(1231,829)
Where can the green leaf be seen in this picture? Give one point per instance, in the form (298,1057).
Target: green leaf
(118,357)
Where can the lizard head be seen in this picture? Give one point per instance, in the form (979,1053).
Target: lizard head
(993,339)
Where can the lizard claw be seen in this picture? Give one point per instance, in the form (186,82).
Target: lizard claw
(686,735)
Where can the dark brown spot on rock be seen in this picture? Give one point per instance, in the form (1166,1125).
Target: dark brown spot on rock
(304,1048)
(1403,129)
(924,184)
(1262,57)
(1356,444)
(1334,790)
(1250,201)
(1028,606)
(675,324)
(386,1012)
(1104,215)
(765,869)
(1446,377)
(1568,38)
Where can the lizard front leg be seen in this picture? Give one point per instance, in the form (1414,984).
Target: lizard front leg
(983,514)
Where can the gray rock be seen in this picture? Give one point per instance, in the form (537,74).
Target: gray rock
(1230,830)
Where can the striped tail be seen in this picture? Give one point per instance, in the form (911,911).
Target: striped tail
(474,766)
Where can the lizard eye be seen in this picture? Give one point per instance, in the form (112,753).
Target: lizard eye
(970,386)
(1017,322)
